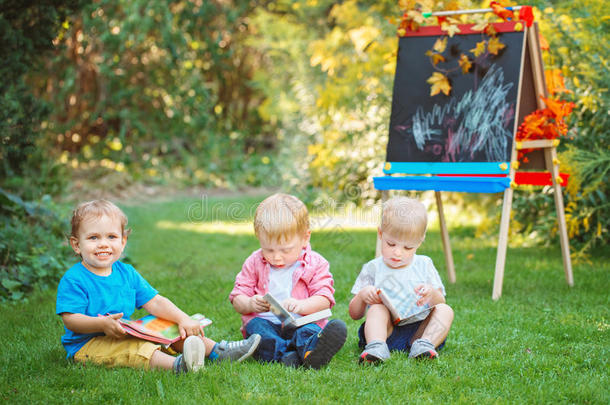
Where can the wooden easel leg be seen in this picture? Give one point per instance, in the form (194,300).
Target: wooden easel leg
(385,194)
(550,156)
(445,238)
(502,244)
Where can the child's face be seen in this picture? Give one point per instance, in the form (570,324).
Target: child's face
(100,243)
(284,253)
(397,252)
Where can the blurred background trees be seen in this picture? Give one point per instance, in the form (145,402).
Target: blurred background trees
(230,93)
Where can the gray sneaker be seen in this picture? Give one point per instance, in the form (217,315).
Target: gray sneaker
(238,350)
(422,348)
(193,354)
(375,352)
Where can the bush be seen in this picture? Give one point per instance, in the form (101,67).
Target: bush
(32,247)
(576,31)
(34,252)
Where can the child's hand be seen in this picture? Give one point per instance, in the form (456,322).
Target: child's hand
(293,305)
(190,327)
(369,295)
(111,325)
(258,304)
(426,292)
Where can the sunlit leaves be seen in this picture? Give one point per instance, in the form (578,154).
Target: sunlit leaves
(362,37)
(439,83)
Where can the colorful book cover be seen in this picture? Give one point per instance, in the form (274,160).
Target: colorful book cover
(156,329)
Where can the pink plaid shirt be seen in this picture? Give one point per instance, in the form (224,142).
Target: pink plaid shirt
(311,278)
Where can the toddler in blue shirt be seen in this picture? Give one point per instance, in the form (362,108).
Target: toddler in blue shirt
(95,293)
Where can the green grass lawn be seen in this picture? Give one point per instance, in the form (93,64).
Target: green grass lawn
(542,342)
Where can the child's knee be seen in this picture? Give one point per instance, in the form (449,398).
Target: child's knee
(444,308)
(378,311)
(445,311)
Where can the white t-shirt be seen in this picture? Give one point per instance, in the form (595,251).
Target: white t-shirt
(397,283)
(280,286)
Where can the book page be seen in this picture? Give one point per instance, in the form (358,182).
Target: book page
(405,301)
(278,310)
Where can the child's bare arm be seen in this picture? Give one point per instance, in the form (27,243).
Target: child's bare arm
(306,306)
(162,307)
(81,323)
(247,305)
(366,296)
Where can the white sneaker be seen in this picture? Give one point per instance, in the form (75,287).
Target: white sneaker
(193,353)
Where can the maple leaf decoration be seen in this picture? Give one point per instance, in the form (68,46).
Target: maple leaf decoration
(479,49)
(450,29)
(440,45)
(464,63)
(410,21)
(547,123)
(494,46)
(526,14)
(500,11)
(435,57)
(439,83)
(435,54)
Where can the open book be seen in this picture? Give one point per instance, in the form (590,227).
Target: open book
(157,330)
(406,310)
(288,319)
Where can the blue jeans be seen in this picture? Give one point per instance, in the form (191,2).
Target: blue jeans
(276,340)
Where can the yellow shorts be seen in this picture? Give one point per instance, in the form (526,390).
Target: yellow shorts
(111,352)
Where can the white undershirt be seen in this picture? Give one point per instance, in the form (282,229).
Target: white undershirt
(280,286)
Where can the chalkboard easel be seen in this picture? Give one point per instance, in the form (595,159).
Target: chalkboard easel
(465,141)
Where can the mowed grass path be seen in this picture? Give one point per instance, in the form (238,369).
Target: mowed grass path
(542,342)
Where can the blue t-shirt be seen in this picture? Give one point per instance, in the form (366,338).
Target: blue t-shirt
(83,292)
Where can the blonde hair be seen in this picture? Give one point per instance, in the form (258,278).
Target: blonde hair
(280,217)
(96,209)
(404,218)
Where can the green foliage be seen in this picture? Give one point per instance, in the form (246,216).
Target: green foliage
(578,35)
(27,30)
(159,90)
(332,104)
(33,247)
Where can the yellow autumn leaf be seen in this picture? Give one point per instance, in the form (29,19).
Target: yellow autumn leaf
(416,16)
(435,57)
(480,26)
(465,63)
(440,45)
(450,29)
(494,46)
(479,49)
(439,83)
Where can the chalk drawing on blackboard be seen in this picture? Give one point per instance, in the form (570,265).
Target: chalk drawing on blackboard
(476,124)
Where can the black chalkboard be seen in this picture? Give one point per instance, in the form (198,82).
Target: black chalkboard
(476,122)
